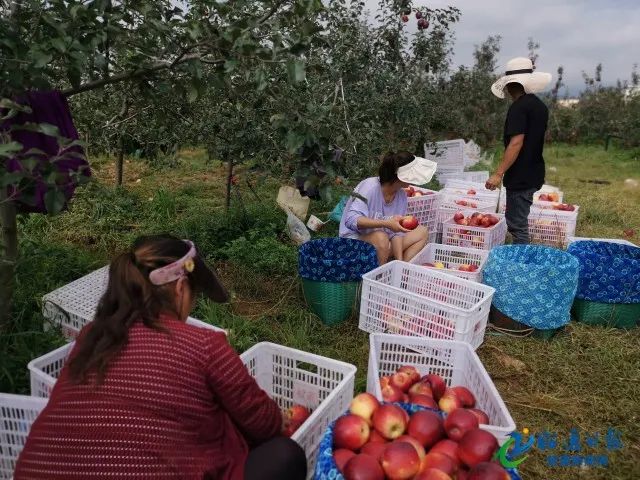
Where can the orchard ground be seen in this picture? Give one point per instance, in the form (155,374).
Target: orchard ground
(585,377)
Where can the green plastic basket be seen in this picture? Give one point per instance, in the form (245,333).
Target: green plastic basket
(619,315)
(333,302)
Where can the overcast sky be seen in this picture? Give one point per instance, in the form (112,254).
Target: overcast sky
(575,34)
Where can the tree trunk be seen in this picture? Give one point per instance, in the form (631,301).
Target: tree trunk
(9,255)
(229,179)
(120,163)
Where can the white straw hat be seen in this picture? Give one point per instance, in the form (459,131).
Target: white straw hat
(520,70)
(418,172)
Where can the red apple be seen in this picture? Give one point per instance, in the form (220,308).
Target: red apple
(375,437)
(488,471)
(418,15)
(290,428)
(458,216)
(392,394)
(427,427)
(418,193)
(401,380)
(421,388)
(483,418)
(494,220)
(439,461)
(473,267)
(462,474)
(374,449)
(409,222)
(471,192)
(341,456)
(384,381)
(474,222)
(459,422)
(449,401)
(449,448)
(297,414)
(423,400)
(464,268)
(390,421)
(400,461)
(364,405)
(477,446)
(405,18)
(437,385)
(416,444)
(423,23)
(411,371)
(363,467)
(351,431)
(485,222)
(432,474)
(465,396)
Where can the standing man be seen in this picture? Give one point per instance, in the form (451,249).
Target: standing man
(522,167)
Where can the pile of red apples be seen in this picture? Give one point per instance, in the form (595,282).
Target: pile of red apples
(476,219)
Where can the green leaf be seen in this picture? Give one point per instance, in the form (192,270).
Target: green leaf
(58,44)
(192,94)
(54,201)
(41,59)
(10,178)
(7,149)
(230,65)
(296,71)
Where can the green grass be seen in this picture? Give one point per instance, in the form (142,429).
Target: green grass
(586,377)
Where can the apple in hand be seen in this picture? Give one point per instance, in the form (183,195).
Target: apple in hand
(351,432)
(409,222)
(438,386)
(477,446)
(363,405)
(363,467)
(488,471)
(459,422)
(400,461)
(390,421)
(341,456)
(426,427)
(297,414)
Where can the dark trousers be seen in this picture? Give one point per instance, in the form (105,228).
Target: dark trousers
(517,214)
(278,459)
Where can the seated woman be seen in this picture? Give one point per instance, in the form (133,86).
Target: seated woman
(374,213)
(145,396)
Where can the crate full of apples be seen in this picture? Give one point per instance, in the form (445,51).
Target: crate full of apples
(449,376)
(422,203)
(380,441)
(311,390)
(461,262)
(478,230)
(404,298)
(553,226)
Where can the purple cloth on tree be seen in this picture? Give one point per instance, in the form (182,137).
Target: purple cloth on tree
(47,107)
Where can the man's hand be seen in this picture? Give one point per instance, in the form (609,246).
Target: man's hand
(494,181)
(393,224)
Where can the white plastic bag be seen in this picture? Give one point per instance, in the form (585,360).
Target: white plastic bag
(296,229)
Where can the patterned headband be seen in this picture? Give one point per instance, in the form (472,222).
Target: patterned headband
(175,270)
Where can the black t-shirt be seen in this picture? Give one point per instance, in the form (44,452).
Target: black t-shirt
(528,115)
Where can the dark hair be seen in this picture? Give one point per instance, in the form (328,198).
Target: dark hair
(390,163)
(515,88)
(130,297)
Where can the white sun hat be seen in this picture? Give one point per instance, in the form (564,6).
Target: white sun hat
(418,172)
(520,70)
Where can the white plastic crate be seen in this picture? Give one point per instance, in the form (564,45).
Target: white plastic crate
(444,177)
(45,370)
(571,239)
(481,238)
(455,362)
(551,227)
(424,207)
(291,377)
(17,414)
(543,205)
(452,258)
(74,305)
(400,297)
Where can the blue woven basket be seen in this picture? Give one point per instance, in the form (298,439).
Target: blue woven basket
(535,285)
(326,468)
(609,272)
(336,260)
